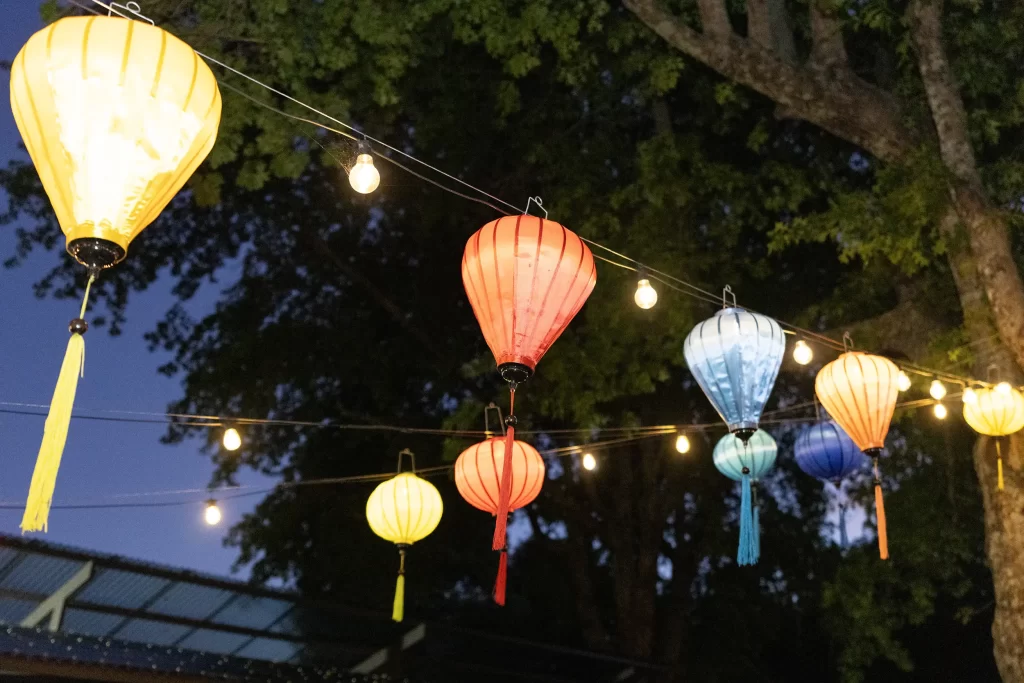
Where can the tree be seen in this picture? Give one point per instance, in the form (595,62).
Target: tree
(657,158)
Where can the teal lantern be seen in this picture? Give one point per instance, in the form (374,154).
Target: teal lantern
(735,357)
(746,462)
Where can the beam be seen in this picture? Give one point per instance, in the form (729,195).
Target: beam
(53,606)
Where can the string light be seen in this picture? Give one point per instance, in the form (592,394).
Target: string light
(1004,388)
(940,411)
(903,381)
(937,390)
(213,514)
(232,439)
(683,443)
(646,296)
(802,353)
(970,397)
(589,462)
(364,176)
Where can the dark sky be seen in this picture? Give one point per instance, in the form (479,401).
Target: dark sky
(101,459)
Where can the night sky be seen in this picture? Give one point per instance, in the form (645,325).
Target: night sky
(102,459)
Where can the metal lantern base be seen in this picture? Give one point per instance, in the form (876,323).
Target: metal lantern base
(95,253)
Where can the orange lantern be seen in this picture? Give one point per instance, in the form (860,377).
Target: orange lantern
(859,392)
(479,476)
(526,278)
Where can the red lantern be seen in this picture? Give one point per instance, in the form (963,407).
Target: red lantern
(478,476)
(526,278)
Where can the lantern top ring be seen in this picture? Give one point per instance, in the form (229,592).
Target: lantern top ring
(540,205)
(412,460)
(726,293)
(131,7)
(847,341)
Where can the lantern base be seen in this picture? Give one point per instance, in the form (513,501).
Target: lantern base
(515,373)
(873,452)
(95,253)
(744,433)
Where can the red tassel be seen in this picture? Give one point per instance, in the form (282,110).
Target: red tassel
(499,583)
(505,491)
(883,538)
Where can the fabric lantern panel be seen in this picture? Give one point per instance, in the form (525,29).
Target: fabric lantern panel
(997,414)
(735,357)
(403,510)
(746,462)
(826,452)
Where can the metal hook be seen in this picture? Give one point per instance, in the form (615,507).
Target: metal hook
(990,373)
(538,202)
(487,422)
(132,8)
(847,342)
(412,459)
(727,292)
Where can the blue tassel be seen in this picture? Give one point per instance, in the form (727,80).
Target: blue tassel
(757,533)
(745,554)
(843,540)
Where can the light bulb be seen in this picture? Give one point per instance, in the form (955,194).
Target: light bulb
(970,397)
(802,353)
(213,514)
(940,411)
(232,439)
(364,177)
(1004,388)
(645,296)
(589,462)
(683,443)
(902,381)
(937,390)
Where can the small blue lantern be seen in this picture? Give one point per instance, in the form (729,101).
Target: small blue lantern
(735,357)
(746,462)
(827,452)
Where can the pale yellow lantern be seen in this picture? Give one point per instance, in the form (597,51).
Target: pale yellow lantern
(403,510)
(116,115)
(996,412)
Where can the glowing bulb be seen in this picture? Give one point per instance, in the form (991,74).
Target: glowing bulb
(364,177)
(645,296)
(683,443)
(1004,388)
(940,411)
(589,462)
(213,514)
(802,353)
(232,439)
(902,381)
(937,390)
(970,397)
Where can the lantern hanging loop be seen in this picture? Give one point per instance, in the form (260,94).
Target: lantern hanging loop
(132,8)
(539,202)
(412,460)
(726,294)
(487,421)
(847,341)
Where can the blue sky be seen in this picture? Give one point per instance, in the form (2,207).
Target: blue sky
(102,459)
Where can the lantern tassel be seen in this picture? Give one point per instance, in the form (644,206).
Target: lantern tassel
(499,583)
(505,491)
(745,552)
(55,431)
(883,537)
(398,611)
(843,539)
(756,523)
(999,464)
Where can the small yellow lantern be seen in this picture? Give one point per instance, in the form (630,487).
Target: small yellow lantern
(997,413)
(116,114)
(403,510)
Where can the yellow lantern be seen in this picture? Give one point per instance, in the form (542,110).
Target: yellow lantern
(997,413)
(116,114)
(403,510)
(859,390)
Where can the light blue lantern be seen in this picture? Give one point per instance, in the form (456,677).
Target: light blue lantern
(827,452)
(746,462)
(735,357)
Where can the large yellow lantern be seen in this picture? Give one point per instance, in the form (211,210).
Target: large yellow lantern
(996,413)
(116,114)
(859,392)
(403,510)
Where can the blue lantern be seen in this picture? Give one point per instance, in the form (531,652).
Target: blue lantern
(735,357)
(746,462)
(827,452)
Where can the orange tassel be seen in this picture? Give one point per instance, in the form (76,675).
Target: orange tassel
(499,583)
(883,538)
(505,491)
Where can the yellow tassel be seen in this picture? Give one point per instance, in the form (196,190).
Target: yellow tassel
(398,613)
(55,434)
(999,464)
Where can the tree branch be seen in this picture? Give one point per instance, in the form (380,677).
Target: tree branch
(840,102)
(827,50)
(714,19)
(768,25)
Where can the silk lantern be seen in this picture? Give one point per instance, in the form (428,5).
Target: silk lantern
(479,477)
(746,461)
(826,452)
(116,115)
(735,357)
(404,509)
(526,278)
(997,414)
(859,390)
